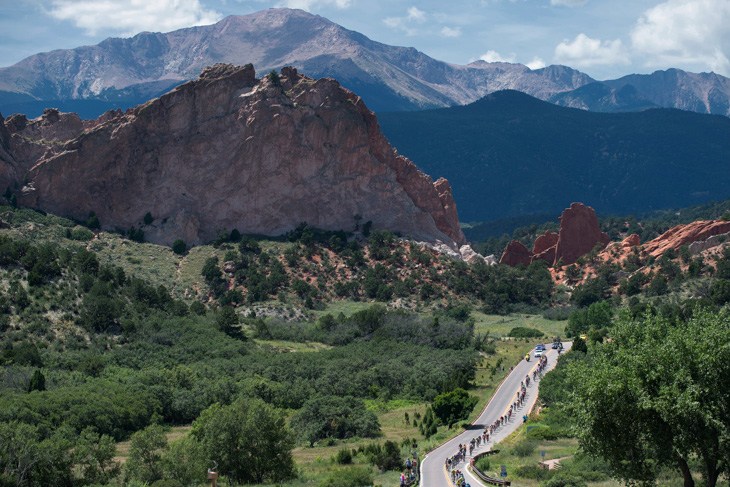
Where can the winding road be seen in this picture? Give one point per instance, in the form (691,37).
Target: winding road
(433,471)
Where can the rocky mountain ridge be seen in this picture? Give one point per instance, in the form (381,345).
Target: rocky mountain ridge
(127,71)
(226,151)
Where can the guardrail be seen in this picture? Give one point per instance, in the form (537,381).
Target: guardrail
(486,478)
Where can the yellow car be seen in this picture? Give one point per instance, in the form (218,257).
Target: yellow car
(584,337)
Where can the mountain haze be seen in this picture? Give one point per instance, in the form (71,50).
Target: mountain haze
(123,72)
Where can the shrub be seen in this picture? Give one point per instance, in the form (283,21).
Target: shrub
(148,218)
(79,233)
(483,464)
(524,332)
(543,433)
(564,481)
(389,457)
(349,477)
(92,221)
(524,448)
(179,246)
(344,456)
(136,235)
(533,472)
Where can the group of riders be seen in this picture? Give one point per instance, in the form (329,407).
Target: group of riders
(457,477)
(410,476)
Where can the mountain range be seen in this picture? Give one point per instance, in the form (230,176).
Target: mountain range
(510,154)
(124,72)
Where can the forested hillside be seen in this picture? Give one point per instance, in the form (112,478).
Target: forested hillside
(509,154)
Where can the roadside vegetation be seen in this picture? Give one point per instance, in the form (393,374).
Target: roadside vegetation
(127,363)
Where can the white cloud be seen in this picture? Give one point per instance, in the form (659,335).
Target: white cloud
(695,32)
(451,32)
(310,4)
(584,51)
(568,3)
(536,63)
(129,17)
(414,15)
(495,57)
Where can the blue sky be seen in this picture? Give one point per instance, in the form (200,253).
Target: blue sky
(603,38)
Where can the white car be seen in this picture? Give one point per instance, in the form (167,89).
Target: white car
(538,352)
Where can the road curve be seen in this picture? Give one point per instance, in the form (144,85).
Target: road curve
(433,471)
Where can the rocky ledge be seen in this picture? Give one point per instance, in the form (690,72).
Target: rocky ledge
(226,151)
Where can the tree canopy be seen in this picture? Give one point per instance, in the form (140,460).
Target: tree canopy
(657,396)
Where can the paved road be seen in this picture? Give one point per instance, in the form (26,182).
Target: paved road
(433,473)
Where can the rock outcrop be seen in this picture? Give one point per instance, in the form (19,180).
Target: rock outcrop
(516,253)
(680,235)
(578,235)
(230,151)
(544,247)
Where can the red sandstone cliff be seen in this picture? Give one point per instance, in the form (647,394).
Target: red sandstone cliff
(229,151)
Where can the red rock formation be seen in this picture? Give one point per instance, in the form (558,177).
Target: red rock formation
(632,240)
(677,236)
(230,151)
(579,233)
(544,247)
(516,253)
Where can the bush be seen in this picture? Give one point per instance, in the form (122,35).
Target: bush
(80,234)
(564,481)
(92,221)
(543,433)
(389,457)
(483,464)
(344,456)
(148,218)
(533,472)
(179,246)
(524,448)
(524,332)
(349,477)
(453,406)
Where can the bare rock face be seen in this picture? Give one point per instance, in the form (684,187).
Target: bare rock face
(632,240)
(579,233)
(230,151)
(544,247)
(677,236)
(516,253)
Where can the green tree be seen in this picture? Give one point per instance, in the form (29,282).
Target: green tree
(227,320)
(453,406)
(26,459)
(93,221)
(185,462)
(274,78)
(145,454)
(249,439)
(668,407)
(37,381)
(94,456)
(148,218)
(334,417)
(179,246)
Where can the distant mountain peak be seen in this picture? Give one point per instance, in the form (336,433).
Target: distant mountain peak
(123,72)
